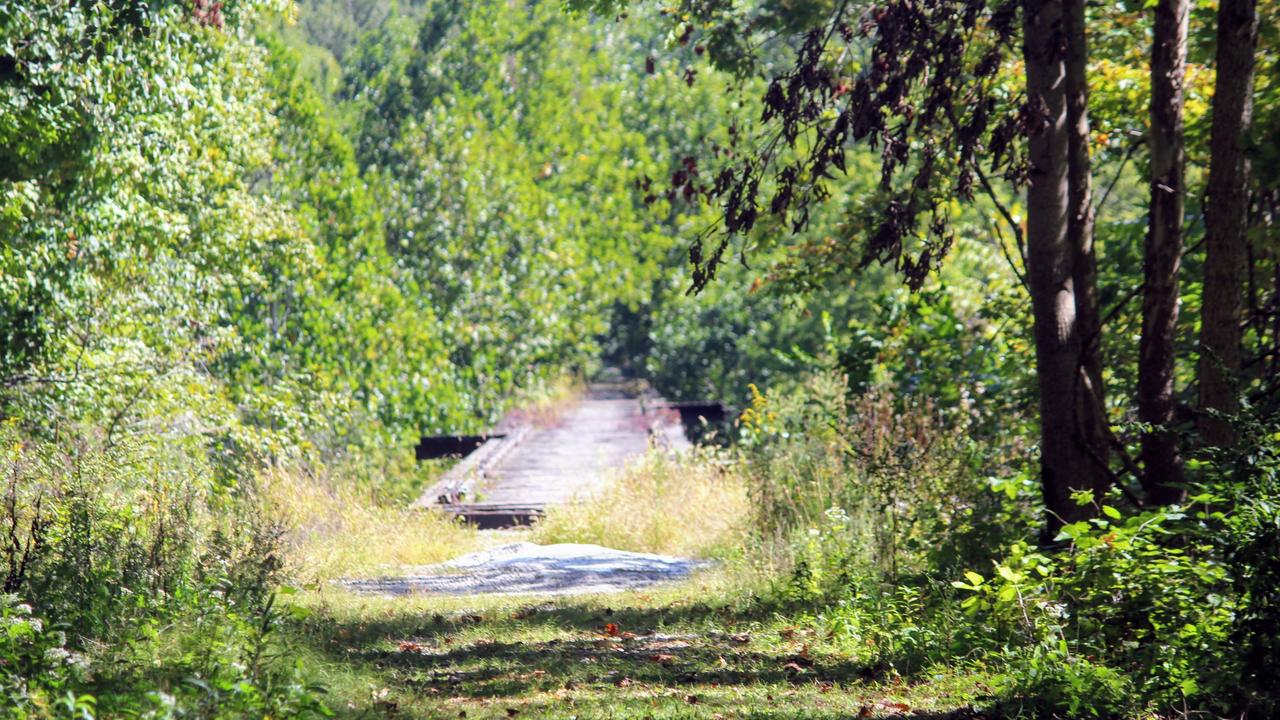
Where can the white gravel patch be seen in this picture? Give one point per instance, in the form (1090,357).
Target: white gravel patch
(529,569)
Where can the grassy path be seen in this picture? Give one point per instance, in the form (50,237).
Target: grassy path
(687,651)
(706,647)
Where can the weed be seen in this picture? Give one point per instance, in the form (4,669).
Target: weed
(691,504)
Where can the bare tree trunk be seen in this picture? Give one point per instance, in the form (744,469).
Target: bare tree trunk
(1067,461)
(1089,392)
(1226,218)
(1162,466)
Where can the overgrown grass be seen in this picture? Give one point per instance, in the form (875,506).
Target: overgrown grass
(729,642)
(691,504)
(136,584)
(336,527)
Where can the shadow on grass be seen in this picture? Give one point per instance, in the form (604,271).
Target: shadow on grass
(545,651)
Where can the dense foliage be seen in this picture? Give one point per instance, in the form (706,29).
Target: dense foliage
(252,245)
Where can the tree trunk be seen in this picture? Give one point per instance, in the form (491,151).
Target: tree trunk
(1067,461)
(1226,218)
(1091,418)
(1162,466)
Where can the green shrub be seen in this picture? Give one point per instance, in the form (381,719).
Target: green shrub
(138,585)
(37,671)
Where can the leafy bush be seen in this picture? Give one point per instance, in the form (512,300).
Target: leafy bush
(902,473)
(146,586)
(37,671)
(1136,610)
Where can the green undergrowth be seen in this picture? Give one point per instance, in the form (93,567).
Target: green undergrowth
(887,565)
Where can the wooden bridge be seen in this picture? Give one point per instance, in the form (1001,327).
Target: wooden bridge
(511,477)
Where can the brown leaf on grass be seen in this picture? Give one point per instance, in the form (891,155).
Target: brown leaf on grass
(611,629)
(628,636)
(900,707)
(864,711)
(526,612)
(663,658)
(691,699)
(793,667)
(410,646)
(740,638)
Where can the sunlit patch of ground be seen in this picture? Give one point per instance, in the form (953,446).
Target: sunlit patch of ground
(683,650)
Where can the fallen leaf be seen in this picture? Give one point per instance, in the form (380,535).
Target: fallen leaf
(691,699)
(663,658)
(901,707)
(793,667)
(611,629)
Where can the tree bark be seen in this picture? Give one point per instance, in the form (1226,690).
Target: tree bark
(1162,465)
(1226,219)
(1067,409)
(1091,419)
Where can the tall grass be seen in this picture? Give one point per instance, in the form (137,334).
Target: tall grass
(137,582)
(899,480)
(691,504)
(338,526)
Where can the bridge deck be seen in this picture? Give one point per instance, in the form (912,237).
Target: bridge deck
(574,456)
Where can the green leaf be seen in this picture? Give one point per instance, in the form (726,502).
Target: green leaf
(1111,512)
(974,577)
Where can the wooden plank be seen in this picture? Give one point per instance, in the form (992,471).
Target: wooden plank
(462,479)
(490,516)
(510,480)
(432,447)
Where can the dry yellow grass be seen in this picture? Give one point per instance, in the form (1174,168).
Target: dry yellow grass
(693,504)
(338,528)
